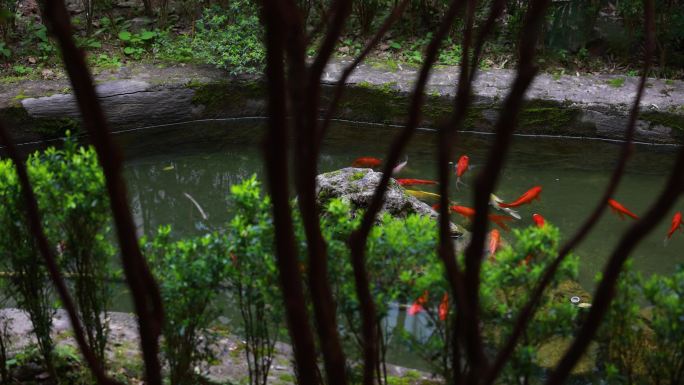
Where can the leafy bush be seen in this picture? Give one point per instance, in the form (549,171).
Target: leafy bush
(228,38)
(70,188)
(29,283)
(254,277)
(190,273)
(506,286)
(623,335)
(666,360)
(135,44)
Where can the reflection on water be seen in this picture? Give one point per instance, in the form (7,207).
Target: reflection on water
(203,160)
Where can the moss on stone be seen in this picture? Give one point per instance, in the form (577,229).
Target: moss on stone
(357,175)
(664,119)
(226,97)
(547,117)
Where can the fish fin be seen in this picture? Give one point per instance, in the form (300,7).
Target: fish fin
(666,241)
(512,213)
(460,182)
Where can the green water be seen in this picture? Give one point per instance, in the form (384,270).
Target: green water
(204,159)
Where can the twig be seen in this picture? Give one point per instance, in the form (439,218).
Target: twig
(146,296)
(275,152)
(342,82)
(528,310)
(486,181)
(35,224)
(357,240)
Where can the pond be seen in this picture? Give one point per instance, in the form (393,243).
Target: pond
(202,159)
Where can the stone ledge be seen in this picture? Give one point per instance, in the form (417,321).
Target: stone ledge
(584,106)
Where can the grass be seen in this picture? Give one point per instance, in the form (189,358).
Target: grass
(616,82)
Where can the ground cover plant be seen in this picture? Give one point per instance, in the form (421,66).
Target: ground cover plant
(578,36)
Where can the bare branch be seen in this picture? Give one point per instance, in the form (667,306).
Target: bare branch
(146,296)
(529,309)
(33,214)
(357,241)
(342,82)
(275,152)
(486,181)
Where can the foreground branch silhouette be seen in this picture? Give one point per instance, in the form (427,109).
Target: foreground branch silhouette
(294,95)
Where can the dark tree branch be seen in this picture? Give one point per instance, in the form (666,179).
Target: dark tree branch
(33,215)
(275,152)
(146,296)
(342,82)
(304,92)
(529,309)
(357,241)
(486,181)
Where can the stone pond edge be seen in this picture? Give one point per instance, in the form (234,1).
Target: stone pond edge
(585,107)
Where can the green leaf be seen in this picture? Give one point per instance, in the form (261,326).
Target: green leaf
(147,35)
(125,36)
(129,50)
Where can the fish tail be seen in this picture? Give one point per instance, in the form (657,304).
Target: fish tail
(459,182)
(666,241)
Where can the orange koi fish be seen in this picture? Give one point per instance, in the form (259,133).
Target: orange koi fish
(417,306)
(538,220)
(366,162)
(413,182)
(444,307)
(527,197)
(461,168)
(500,220)
(620,209)
(467,212)
(676,224)
(494,239)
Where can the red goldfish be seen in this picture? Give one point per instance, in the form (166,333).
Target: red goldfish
(494,239)
(527,197)
(366,162)
(444,307)
(417,306)
(469,213)
(676,224)
(500,220)
(466,212)
(461,168)
(538,220)
(413,182)
(620,209)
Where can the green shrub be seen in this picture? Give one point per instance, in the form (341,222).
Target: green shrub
(71,192)
(229,38)
(190,273)
(666,360)
(253,277)
(623,336)
(506,285)
(29,284)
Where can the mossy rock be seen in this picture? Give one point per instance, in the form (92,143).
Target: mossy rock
(550,353)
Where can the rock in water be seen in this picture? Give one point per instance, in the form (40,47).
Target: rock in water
(357,186)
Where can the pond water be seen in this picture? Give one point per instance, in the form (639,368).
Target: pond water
(202,159)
